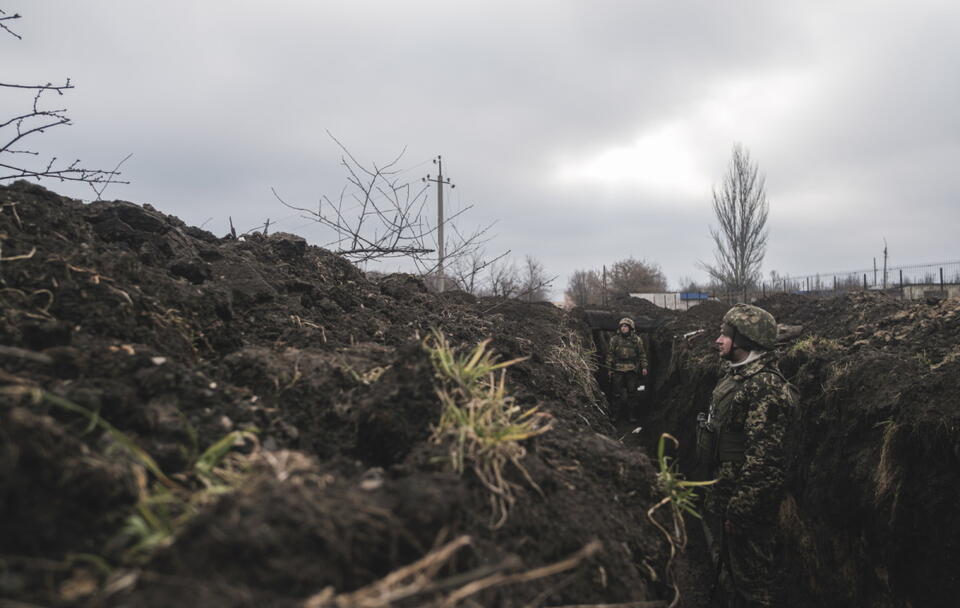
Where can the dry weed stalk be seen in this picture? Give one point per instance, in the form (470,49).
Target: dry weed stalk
(480,424)
(679,496)
(887,475)
(419,579)
(577,363)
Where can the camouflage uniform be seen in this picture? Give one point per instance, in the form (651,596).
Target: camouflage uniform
(626,358)
(749,411)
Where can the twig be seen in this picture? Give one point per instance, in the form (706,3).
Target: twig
(498,580)
(25,256)
(106,184)
(22,353)
(416,579)
(645,604)
(543,283)
(13,208)
(4,27)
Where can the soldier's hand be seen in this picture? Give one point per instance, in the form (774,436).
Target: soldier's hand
(729,528)
(644,371)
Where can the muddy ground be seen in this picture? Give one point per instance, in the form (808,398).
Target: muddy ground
(132,343)
(177,339)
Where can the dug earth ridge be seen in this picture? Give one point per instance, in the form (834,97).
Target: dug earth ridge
(177,338)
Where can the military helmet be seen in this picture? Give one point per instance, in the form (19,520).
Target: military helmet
(754,323)
(629,322)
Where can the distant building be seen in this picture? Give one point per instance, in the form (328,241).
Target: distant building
(674,300)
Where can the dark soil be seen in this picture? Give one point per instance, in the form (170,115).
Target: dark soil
(177,337)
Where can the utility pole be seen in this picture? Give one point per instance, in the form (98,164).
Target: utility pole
(884,263)
(440,181)
(603,294)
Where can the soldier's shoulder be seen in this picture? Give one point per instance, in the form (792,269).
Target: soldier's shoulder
(767,377)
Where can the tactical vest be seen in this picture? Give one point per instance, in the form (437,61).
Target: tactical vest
(625,352)
(716,445)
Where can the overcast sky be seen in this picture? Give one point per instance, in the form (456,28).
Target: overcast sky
(589,131)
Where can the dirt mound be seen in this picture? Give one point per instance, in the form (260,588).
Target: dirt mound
(248,422)
(831,317)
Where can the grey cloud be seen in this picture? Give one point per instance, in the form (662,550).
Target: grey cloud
(218,101)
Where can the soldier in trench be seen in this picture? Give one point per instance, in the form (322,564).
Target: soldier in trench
(626,361)
(741,442)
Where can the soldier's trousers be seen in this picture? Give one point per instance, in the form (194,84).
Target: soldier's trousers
(748,565)
(747,577)
(624,388)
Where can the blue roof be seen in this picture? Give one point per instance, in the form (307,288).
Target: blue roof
(694,295)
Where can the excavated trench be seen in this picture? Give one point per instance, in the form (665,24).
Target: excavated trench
(874,446)
(203,421)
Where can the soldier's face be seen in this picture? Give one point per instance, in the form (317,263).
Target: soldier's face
(724,346)
(624,329)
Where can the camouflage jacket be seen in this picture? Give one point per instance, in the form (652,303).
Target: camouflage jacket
(750,409)
(626,353)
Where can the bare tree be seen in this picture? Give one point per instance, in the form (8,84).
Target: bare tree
(584,288)
(19,162)
(741,208)
(533,281)
(635,276)
(379,215)
(467,270)
(504,279)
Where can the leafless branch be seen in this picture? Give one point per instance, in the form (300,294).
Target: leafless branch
(40,87)
(16,130)
(5,17)
(466,269)
(379,215)
(104,184)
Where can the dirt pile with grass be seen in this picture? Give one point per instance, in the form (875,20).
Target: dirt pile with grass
(194,420)
(874,477)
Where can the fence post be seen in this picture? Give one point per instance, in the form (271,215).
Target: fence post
(941,278)
(864,281)
(901,278)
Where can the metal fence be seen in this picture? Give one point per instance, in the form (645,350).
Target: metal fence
(910,282)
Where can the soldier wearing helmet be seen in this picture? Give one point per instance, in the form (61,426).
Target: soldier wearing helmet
(626,360)
(741,441)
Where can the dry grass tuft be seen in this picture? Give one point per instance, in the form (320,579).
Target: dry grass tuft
(480,424)
(577,363)
(165,503)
